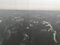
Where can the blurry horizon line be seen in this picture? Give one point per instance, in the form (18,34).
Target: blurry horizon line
(29,9)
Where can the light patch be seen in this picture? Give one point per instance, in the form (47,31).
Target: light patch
(26,35)
(48,24)
(35,22)
(31,25)
(19,19)
(0,21)
(44,22)
(54,36)
(27,27)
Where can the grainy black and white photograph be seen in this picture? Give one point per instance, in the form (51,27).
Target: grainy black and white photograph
(29,22)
